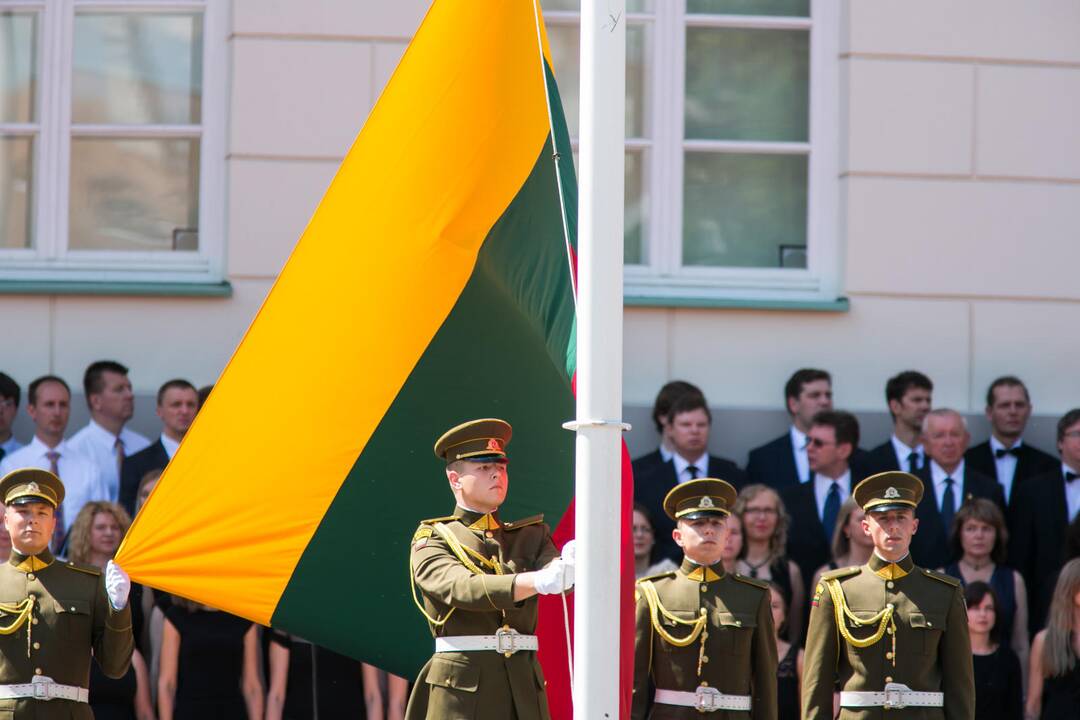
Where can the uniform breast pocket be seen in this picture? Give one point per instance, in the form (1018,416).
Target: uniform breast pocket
(926,632)
(678,624)
(73,616)
(735,632)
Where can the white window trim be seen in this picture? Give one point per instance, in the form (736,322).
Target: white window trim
(664,278)
(47,261)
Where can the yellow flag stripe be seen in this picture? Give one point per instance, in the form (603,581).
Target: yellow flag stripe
(380,266)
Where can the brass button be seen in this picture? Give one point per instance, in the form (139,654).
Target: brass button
(890,584)
(704,683)
(37,671)
(888,679)
(929,624)
(30,576)
(738,623)
(704,587)
(37,646)
(490,534)
(34,621)
(890,630)
(72,608)
(888,655)
(704,658)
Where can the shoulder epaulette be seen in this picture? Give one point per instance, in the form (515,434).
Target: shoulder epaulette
(84,568)
(532,520)
(658,576)
(947,579)
(841,572)
(759,584)
(432,521)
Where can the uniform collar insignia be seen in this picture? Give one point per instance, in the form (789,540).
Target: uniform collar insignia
(891,570)
(478,521)
(31,563)
(701,573)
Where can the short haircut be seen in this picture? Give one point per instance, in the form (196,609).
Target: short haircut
(174,383)
(844,424)
(9,388)
(898,385)
(31,390)
(94,377)
(667,396)
(942,413)
(986,511)
(794,386)
(1005,381)
(975,593)
(1067,421)
(688,403)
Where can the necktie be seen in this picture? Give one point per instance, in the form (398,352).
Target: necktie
(1002,452)
(832,509)
(948,504)
(1070,476)
(913,462)
(118,448)
(58,530)
(693,470)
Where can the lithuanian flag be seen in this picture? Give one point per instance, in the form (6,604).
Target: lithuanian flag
(433,285)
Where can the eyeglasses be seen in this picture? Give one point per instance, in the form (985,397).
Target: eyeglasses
(818,442)
(766,512)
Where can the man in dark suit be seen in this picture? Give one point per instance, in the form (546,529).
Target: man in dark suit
(783,462)
(689,420)
(909,397)
(1042,509)
(650,463)
(814,506)
(177,402)
(1005,456)
(948,482)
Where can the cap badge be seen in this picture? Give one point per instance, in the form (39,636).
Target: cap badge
(33,487)
(493,444)
(892,494)
(706,502)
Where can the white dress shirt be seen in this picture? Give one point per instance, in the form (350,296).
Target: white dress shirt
(938,475)
(10,446)
(681,465)
(821,490)
(802,463)
(902,451)
(1006,464)
(1072,491)
(98,444)
(82,481)
(169,444)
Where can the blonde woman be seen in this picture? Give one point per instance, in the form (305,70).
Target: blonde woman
(93,540)
(1054,678)
(765,522)
(850,544)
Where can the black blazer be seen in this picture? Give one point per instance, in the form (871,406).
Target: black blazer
(653,478)
(807,545)
(152,457)
(1039,523)
(930,548)
(1031,462)
(773,463)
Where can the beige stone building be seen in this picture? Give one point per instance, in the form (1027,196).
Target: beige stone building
(850,184)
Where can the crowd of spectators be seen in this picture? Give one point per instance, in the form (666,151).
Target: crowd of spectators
(191,661)
(1000,516)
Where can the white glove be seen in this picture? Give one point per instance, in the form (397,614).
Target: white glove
(557,577)
(117,585)
(568,552)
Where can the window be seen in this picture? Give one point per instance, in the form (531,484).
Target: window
(731,145)
(111,140)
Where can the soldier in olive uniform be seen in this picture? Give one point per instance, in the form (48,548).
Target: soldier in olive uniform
(478,579)
(893,635)
(53,613)
(705,637)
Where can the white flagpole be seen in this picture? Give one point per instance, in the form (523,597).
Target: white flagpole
(599,360)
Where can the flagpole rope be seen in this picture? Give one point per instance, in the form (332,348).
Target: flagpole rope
(556,155)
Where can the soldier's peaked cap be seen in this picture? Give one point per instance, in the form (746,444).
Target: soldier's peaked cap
(698,498)
(27,485)
(893,490)
(476,440)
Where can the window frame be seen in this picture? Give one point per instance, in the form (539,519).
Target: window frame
(50,259)
(662,279)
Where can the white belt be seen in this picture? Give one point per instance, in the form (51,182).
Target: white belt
(895,697)
(507,641)
(705,699)
(43,688)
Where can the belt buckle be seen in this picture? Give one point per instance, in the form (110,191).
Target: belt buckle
(506,640)
(42,687)
(708,699)
(894,696)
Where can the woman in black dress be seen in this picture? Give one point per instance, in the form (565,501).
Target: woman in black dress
(789,671)
(307,681)
(999,686)
(209,667)
(1054,684)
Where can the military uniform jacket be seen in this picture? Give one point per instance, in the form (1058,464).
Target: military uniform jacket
(739,654)
(478,600)
(70,616)
(932,650)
